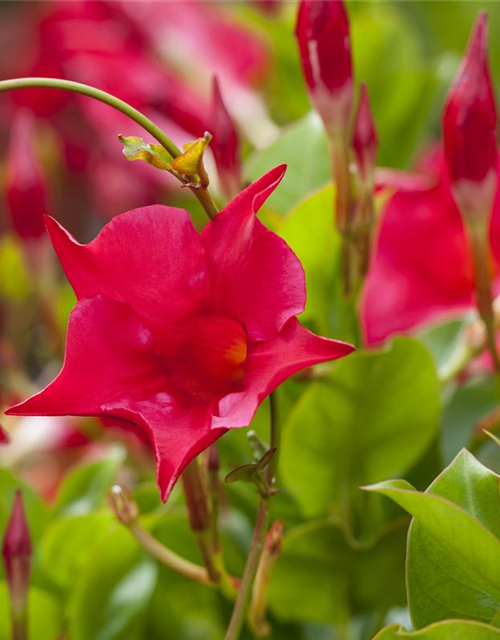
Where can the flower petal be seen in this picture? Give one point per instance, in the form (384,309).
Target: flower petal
(178,434)
(150,258)
(271,363)
(255,276)
(422,265)
(108,354)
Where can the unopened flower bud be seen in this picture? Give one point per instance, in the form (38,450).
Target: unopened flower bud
(225,145)
(365,141)
(470,130)
(16,552)
(26,188)
(124,505)
(323,37)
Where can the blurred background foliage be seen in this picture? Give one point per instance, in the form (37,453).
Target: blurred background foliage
(379,414)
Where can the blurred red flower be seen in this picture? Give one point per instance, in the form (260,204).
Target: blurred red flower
(422,264)
(182,334)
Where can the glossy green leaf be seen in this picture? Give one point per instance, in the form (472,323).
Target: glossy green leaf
(447,630)
(388,56)
(67,543)
(339,580)
(310,232)
(303,147)
(371,418)
(115,585)
(465,406)
(454,545)
(442,340)
(86,487)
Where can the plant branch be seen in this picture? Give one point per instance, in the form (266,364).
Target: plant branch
(96,94)
(167,557)
(256,546)
(200,192)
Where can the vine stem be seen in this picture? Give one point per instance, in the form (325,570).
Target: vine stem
(256,546)
(96,94)
(200,192)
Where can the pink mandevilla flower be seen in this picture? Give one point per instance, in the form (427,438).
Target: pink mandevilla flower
(180,333)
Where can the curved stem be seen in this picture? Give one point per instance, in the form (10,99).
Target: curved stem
(201,193)
(256,546)
(245,590)
(167,557)
(97,94)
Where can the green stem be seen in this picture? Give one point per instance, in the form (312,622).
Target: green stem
(167,557)
(201,193)
(199,514)
(256,546)
(245,590)
(20,624)
(343,204)
(478,236)
(96,94)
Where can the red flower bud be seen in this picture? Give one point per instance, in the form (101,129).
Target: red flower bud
(225,145)
(322,33)
(365,141)
(26,188)
(16,552)
(470,124)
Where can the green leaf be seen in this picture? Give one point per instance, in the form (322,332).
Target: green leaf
(85,488)
(67,543)
(372,417)
(389,57)
(310,232)
(135,148)
(464,407)
(304,148)
(446,630)
(344,580)
(454,546)
(115,586)
(442,340)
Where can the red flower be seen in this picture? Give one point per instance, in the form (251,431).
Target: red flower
(470,129)
(225,145)
(325,48)
(180,333)
(26,187)
(422,266)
